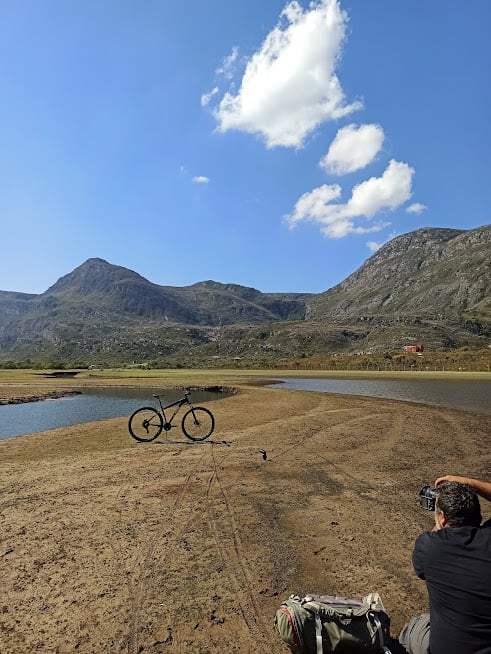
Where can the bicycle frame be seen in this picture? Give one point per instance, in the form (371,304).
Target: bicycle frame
(178,404)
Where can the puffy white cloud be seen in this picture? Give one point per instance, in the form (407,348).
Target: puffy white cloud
(353,148)
(206,97)
(386,192)
(200,180)
(417,208)
(289,86)
(368,198)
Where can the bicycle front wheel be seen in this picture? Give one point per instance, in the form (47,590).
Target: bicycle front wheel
(145,424)
(198,423)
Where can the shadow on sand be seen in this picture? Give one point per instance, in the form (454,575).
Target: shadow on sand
(168,441)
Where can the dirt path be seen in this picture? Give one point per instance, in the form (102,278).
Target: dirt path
(112,546)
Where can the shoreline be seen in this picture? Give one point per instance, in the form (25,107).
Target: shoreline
(48,395)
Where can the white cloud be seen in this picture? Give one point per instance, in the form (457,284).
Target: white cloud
(386,192)
(373,246)
(206,97)
(353,148)
(227,67)
(200,180)
(289,86)
(367,199)
(417,208)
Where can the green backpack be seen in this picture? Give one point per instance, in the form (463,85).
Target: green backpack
(319,624)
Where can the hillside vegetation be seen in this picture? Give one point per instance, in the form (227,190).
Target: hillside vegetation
(430,286)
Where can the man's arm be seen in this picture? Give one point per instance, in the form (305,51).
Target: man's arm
(482,488)
(419,555)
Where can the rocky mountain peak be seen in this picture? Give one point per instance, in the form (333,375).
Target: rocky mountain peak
(94,276)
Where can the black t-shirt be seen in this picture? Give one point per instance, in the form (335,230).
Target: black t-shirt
(455,562)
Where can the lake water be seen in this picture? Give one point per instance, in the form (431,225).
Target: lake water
(472,396)
(93,404)
(104,403)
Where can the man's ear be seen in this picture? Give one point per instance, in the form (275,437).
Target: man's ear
(442,519)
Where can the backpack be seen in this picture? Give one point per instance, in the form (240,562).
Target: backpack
(318,624)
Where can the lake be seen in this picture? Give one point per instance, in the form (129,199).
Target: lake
(92,404)
(472,396)
(104,403)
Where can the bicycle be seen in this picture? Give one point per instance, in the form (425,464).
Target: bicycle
(147,423)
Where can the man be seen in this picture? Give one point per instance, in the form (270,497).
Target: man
(455,562)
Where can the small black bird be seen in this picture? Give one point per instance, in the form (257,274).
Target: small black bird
(265,456)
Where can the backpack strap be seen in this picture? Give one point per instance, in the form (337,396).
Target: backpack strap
(318,633)
(375,619)
(317,610)
(297,623)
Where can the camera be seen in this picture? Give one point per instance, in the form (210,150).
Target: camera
(427,497)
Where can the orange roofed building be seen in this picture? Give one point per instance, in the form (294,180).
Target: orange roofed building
(413,348)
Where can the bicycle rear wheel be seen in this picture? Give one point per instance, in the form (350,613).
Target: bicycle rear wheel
(145,424)
(198,423)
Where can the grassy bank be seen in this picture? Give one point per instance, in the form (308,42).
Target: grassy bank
(212,377)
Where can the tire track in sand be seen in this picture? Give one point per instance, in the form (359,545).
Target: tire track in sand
(138,568)
(226,536)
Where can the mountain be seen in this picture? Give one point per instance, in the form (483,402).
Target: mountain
(426,272)
(430,285)
(99,286)
(100,308)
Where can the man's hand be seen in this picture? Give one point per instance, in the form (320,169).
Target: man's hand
(459,480)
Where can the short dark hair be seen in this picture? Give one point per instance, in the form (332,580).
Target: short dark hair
(459,503)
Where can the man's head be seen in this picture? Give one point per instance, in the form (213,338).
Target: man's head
(457,505)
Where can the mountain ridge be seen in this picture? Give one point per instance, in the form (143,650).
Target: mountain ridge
(431,284)
(426,253)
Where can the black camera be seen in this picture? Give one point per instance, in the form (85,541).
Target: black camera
(427,497)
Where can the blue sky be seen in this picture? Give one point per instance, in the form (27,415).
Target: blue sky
(269,144)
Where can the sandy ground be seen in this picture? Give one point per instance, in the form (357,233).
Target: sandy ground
(108,545)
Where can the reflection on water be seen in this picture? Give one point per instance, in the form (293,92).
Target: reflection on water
(93,404)
(472,396)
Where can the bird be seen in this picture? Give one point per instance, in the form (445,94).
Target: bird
(265,456)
